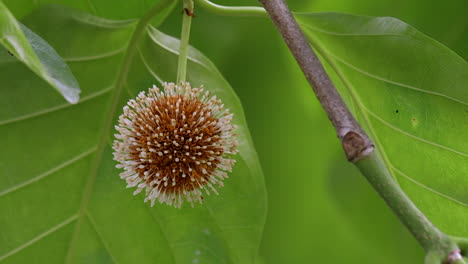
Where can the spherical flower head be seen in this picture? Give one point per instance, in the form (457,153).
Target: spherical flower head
(175,142)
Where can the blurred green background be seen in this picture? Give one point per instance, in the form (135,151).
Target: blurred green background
(321,210)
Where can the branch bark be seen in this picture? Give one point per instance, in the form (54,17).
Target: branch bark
(355,141)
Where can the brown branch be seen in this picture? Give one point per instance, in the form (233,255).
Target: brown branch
(355,141)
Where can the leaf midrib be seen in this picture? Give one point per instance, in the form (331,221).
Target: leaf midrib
(101,238)
(102,142)
(119,85)
(351,34)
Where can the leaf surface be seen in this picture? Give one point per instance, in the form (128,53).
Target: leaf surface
(110,9)
(24,45)
(409,92)
(90,216)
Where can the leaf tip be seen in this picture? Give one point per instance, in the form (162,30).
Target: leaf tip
(72,96)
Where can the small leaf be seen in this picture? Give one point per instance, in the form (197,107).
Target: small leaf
(410,93)
(37,54)
(57,158)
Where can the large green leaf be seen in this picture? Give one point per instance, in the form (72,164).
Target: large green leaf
(34,52)
(56,205)
(410,93)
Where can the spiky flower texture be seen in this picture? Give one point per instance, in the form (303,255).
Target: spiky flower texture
(175,142)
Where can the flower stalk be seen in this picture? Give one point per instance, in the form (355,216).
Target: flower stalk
(188,13)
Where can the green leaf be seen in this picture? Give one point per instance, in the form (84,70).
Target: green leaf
(35,53)
(62,201)
(409,92)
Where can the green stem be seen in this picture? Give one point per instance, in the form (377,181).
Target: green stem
(136,37)
(430,238)
(184,41)
(232,10)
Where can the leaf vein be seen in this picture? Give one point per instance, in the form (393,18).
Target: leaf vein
(47,173)
(96,56)
(55,108)
(393,82)
(428,188)
(198,244)
(92,7)
(149,68)
(351,34)
(211,213)
(166,237)
(174,51)
(39,237)
(94,225)
(381,120)
(88,19)
(397,83)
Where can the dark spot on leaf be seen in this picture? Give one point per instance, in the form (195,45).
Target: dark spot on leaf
(11,54)
(396,111)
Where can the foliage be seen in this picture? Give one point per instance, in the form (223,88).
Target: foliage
(317,203)
(409,92)
(75,181)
